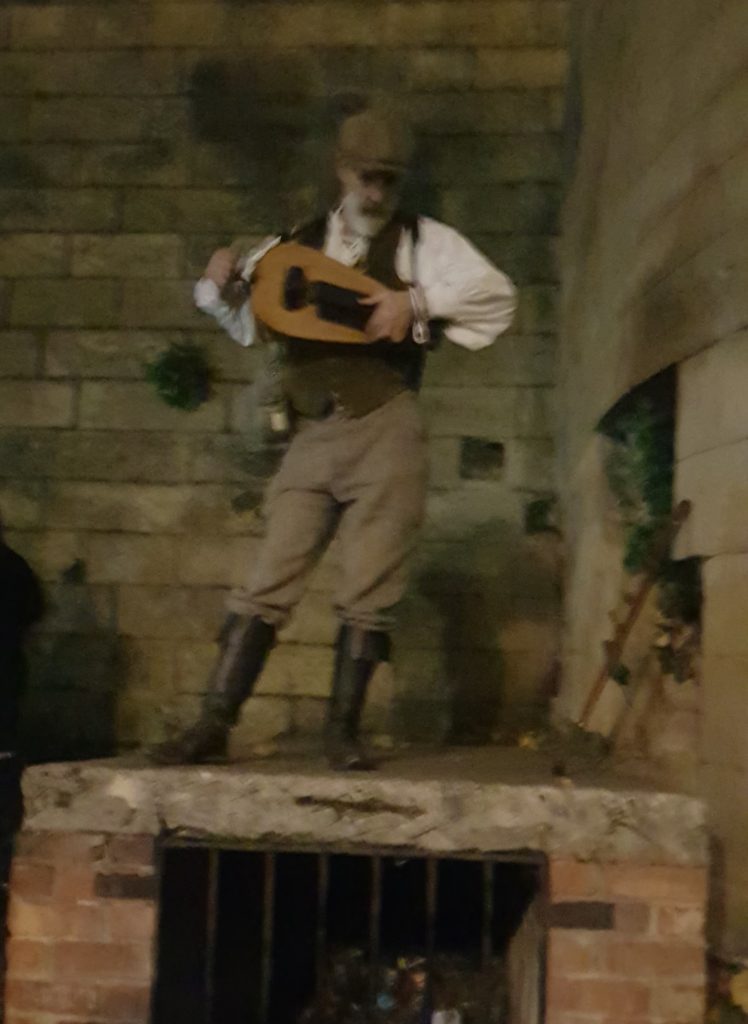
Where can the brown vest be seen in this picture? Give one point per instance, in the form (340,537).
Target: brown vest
(318,377)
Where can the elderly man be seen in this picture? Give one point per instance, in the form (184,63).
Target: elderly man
(357,462)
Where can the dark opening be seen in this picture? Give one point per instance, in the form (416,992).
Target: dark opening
(481,459)
(256,937)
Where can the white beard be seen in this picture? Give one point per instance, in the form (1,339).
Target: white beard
(366,224)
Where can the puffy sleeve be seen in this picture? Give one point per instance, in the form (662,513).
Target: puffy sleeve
(462,287)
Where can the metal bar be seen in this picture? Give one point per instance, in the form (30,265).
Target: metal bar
(211,931)
(268,913)
(375,918)
(323,886)
(486,945)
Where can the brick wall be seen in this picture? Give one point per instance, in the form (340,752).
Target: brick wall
(626,944)
(136,138)
(82,928)
(625,941)
(656,213)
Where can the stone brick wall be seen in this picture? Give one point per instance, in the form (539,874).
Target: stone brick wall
(137,137)
(655,218)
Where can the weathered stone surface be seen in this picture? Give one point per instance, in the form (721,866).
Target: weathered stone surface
(126,256)
(711,386)
(57,209)
(32,255)
(716,484)
(64,303)
(168,612)
(124,558)
(19,354)
(526,68)
(111,354)
(36,404)
(114,405)
(450,804)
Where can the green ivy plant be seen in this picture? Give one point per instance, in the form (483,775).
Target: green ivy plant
(640,469)
(182,375)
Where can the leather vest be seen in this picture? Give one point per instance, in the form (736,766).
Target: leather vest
(318,377)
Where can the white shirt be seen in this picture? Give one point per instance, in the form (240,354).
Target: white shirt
(457,283)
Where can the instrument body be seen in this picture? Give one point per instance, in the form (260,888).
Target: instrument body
(301,293)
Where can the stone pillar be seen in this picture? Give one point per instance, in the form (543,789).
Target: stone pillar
(81,929)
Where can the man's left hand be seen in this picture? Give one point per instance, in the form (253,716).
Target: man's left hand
(392,315)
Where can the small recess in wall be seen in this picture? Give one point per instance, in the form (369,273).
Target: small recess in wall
(481,459)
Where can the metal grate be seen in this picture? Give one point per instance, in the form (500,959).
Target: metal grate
(260,936)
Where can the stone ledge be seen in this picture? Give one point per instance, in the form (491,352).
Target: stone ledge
(446,803)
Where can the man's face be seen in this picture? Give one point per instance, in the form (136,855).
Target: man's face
(371,195)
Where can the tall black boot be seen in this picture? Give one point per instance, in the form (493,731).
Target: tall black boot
(358,652)
(245,643)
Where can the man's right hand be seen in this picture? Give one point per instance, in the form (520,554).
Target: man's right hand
(222,267)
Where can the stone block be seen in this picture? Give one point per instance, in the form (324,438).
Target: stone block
(14,119)
(308,716)
(534,414)
(197,25)
(95,455)
(512,23)
(216,561)
(522,207)
(32,255)
(64,303)
(490,113)
(125,558)
(716,484)
(75,609)
(725,711)
(725,588)
(159,304)
(511,360)
(148,163)
(525,68)
(263,719)
(102,353)
(132,405)
(488,412)
(49,553)
(168,612)
(114,73)
(441,69)
(313,622)
(710,385)
(36,404)
(302,670)
(57,209)
(444,462)
(200,211)
(19,354)
(538,310)
(125,256)
(23,503)
(493,160)
(530,464)
(143,508)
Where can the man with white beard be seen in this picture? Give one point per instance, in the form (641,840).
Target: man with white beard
(356,466)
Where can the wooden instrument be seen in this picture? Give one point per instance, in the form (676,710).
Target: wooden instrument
(300,292)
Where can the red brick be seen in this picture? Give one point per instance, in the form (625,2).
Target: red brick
(679,1004)
(633,918)
(655,960)
(29,959)
(575,953)
(133,851)
(94,961)
(134,919)
(576,880)
(41,996)
(123,1003)
(35,920)
(658,884)
(685,923)
(598,995)
(73,882)
(31,880)
(57,846)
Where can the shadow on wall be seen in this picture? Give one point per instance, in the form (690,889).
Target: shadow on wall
(77,668)
(478,641)
(260,138)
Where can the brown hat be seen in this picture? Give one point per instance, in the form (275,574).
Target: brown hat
(376,139)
